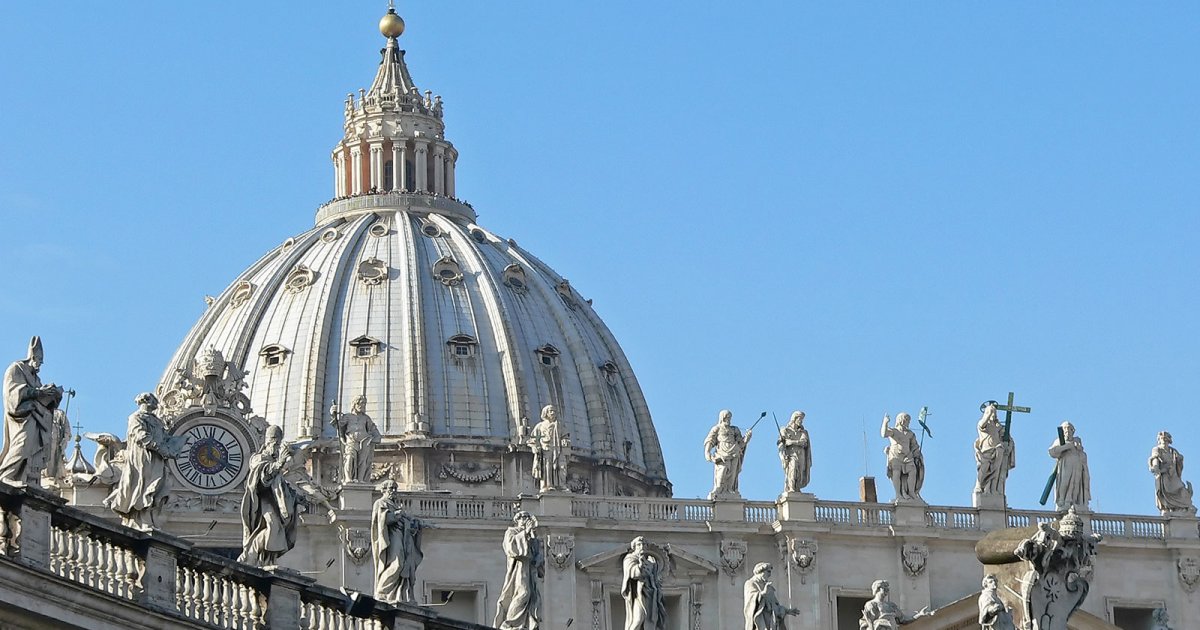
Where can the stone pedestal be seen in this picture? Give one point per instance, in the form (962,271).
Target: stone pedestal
(356,496)
(989,501)
(731,509)
(85,495)
(797,506)
(158,578)
(909,514)
(555,503)
(36,508)
(1182,526)
(283,601)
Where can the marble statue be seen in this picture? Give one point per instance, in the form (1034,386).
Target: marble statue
(520,604)
(359,436)
(270,504)
(28,419)
(641,587)
(760,603)
(725,447)
(1171,493)
(881,613)
(905,463)
(1160,619)
(551,451)
(994,614)
(994,457)
(1074,484)
(796,453)
(1060,567)
(108,460)
(395,546)
(142,487)
(56,459)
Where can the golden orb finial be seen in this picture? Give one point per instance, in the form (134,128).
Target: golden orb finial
(391,25)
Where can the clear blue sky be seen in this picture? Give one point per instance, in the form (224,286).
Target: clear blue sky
(844,209)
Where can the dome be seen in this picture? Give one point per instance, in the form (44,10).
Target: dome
(455,336)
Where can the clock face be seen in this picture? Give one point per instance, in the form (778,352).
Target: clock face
(214,456)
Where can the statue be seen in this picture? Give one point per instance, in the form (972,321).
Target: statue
(994,457)
(725,448)
(641,587)
(1171,493)
(760,604)
(142,486)
(795,451)
(28,419)
(1074,483)
(551,451)
(395,546)
(1060,567)
(994,614)
(359,436)
(520,603)
(56,460)
(108,460)
(1160,619)
(881,613)
(905,463)
(270,504)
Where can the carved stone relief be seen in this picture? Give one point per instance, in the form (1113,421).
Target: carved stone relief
(372,271)
(1189,572)
(560,548)
(385,470)
(914,558)
(733,555)
(299,279)
(358,544)
(579,484)
(470,472)
(802,555)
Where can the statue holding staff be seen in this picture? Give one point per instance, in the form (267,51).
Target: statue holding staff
(795,451)
(725,447)
(760,603)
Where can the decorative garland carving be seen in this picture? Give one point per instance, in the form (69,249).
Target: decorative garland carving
(469,472)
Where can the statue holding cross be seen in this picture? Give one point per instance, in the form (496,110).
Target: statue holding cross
(995,452)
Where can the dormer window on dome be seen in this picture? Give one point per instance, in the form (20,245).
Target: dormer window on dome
(273,355)
(462,346)
(514,277)
(365,347)
(241,293)
(447,271)
(547,355)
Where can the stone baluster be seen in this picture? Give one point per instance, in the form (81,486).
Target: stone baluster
(87,559)
(57,545)
(206,593)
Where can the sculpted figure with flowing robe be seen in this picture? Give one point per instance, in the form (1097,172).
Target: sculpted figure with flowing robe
(56,459)
(994,614)
(270,503)
(905,463)
(142,488)
(725,448)
(28,419)
(796,453)
(881,613)
(760,603)
(1074,482)
(520,604)
(358,435)
(641,587)
(551,451)
(395,546)
(1171,493)
(994,457)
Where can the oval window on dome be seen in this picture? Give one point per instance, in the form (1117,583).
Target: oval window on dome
(431,230)
(447,271)
(299,279)
(514,278)
(379,229)
(478,235)
(330,235)
(288,244)
(372,271)
(241,293)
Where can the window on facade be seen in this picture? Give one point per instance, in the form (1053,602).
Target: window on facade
(365,347)
(547,355)
(388,178)
(849,611)
(1133,618)
(462,345)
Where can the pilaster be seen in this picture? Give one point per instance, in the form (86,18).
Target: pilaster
(283,600)
(421,149)
(36,508)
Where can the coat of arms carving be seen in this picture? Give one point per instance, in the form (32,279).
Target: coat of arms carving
(560,547)
(1189,572)
(733,554)
(914,557)
(802,554)
(358,544)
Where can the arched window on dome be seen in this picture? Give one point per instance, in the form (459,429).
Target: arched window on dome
(273,355)
(388,176)
(462,346)
(364,347)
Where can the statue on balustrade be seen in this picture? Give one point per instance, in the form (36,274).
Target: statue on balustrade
(905,463)
(142,487)
(725,447)
(551,451)
(1060,570)
(641,587)
(358,435)
(994,456)
(994,614)
(881,613)
(761,604)
(395,546)
(1074,483)
(1172,494)
(28,419)
(520,604)
(270,504)
(795,451)
(56,459)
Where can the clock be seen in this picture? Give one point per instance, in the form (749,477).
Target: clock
(215,454)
